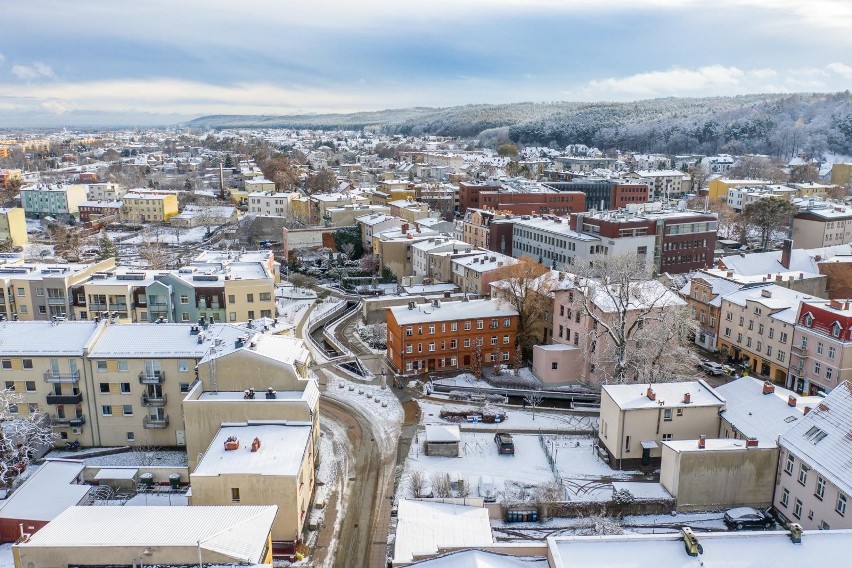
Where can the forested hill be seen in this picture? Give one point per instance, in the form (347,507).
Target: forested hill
(774,124)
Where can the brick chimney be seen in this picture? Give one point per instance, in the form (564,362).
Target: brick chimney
(791,401)
(702,441)
(686,398)
(751,443)
(768,388)
(806,409)
(786,250)
(651,394)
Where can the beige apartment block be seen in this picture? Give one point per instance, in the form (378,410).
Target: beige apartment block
(393,247)
(260,463)
(151,207)
(636,419)
(816,228)
(13,226)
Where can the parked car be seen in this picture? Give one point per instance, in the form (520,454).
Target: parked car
(712,368)
(505,444)
(487,489)
(749,518)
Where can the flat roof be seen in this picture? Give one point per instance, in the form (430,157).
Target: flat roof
(282,447)
(470,309)
(240,532)
(135,340)
(424,527)
(668,395)
(715,444)
(69,338)
(47,492)
(746,549)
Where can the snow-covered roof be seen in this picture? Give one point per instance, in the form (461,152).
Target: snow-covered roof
(642,489)
(282,449)
(123,473)
(47,492)
(69,338)
(442,433)
(801,260)
(135,340)
(758,415)
(482,559)
(822,437)
(450,311)
(240,533)
(641,295)
(423,527)
(714,444)
(668,395)
(783,302)
(746,549)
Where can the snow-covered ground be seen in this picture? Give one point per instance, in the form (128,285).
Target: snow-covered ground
(584,475)
(293,311)
(6,558)
(516,419)
(379,404)
(290,292)
(168,235)
(525,379)
(325,306)
(134,458)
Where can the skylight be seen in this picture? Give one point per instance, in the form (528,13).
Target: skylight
(815,434)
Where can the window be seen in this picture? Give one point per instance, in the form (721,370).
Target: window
(104,388)
(32,407)
(803,474)
(667,414)
(184,387)
(667,437)
(131,437)
(828,374)
(788,467)
(797,508)
(28,363)
(106,410)
(783,337)
(184,316)
(30,386)
(409,366)
(184,299)
(831,352)
(265,296)
(627,443)
(781,355)
(454,326)
(42,309)
(250,298)
(23,309)
(785,497)
(817,367)
(771,332)
(554,365)
(127,409)
(39,291)
(506,356)
(6,364)
(823,526)
(231,299)
(13,409)
(432,329)
(125,388)
(21,292)
(453,344)
(102,366)
(431,346)
(820,488)
(232,316)
(680,412)
(835,329)
(760,329)
(409,331)
(493,340)
(408,348)
(819,348)
(769,351)
(235,494)
(480,324)
(840,507)
(505,340)
(251,314)
(467,326)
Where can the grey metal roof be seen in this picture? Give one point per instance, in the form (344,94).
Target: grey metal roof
(44,338)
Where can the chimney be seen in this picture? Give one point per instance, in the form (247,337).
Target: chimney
(796,533)
(786,250)
(778,278)
(561,276)
(806,409)
(702,441)
(730,273)
(255,444)
(751,443)
(411,305)
(687,398)
(651,394)
(801,276)
(404,228)
(768,388)
(791,401)
(446,294)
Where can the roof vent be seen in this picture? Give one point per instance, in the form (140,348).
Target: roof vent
(796,533)
(255,444)
(766,293)
(271,393)
(687,398)
(791,401)
(248,394)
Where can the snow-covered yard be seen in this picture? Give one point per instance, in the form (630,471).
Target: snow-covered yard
(516,419)
(133,458)
(293,311)
(168,235)
(584,476)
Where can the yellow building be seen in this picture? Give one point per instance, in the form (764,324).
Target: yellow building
(13,226)
(841,174)
(153,207)
(718,188)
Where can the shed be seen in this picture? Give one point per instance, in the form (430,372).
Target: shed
(118,478)
(442,440)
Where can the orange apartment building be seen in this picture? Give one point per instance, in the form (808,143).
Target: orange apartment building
(451,335)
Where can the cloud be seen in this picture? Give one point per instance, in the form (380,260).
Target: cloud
(2,59)
(840,69)
(37,70)
(55,107)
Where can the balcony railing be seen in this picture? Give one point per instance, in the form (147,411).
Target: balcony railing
(158,303)
(97,306)
(56,301)
(801,351)
(68,422)
(151,423)
(65,398)
(149,400)
(51,377)
(152,378)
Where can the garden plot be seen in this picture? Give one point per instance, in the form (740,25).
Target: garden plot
(584,476)
(516,418)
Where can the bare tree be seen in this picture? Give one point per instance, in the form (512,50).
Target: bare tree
(548,495)
(369,264)
(526,288)
(22,436)
(417,484)
(533,400)
(441,484)
(463,488)
(477,360)
(634,329)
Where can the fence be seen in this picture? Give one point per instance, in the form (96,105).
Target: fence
(550,452)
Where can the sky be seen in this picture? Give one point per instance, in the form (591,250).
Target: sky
(165,61)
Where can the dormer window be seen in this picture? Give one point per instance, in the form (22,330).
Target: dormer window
(809,319)
(835,329)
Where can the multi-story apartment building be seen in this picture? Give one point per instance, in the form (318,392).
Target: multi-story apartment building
(533,202)
(153,207)
(469,194)
(409,210)
(704,293)
(256,183)
(662,184)
(106,191)
(756,329)
(813,485)
(476,226)
(268,203)
(52,200)
(584,163)
(43,291)
(743,196)
(393,247)
(718,188)
(97,213)
(473,274)
(13,226)
(815,228)
(422,251)
(821,347)
(375,223)
(599,191)
(345,215)
(452,335)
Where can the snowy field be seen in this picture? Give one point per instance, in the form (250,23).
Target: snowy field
(168,235)
(584,476)
(290,292)
(516,419)
(293,311)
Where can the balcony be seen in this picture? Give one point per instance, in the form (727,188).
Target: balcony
(68,422)
(65,398)
(152,423)
(97,306)
(155,378)
(149,400)
(800,351)
(51,377)
(56,301)
(158,304)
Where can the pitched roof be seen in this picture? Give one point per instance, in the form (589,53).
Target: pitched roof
(68,338)
(823,437)
(801,260)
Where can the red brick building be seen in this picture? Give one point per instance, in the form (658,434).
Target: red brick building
(533,203)
(624,194)
(95,213)
(469,194)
